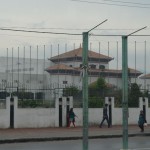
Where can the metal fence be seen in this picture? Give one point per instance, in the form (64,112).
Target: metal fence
(42,73)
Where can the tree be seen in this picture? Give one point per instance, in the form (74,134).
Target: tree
(70,91)
(98,87)
(134,94)
(101,83)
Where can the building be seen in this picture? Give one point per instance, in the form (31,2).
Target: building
(67,69)
(51,76)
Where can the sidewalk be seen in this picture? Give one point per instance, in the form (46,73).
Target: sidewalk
(51,134)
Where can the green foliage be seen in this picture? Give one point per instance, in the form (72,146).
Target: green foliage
(70,91)
(98,88)
(145,93)
(96,93)
(118,98)
(35,104)
(96,102)
(134,94)
(101,83)
(24,95)
(4,94)
(39,95)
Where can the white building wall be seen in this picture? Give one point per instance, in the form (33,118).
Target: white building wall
(71,80)
(37,65)
(142,82)
(77,80)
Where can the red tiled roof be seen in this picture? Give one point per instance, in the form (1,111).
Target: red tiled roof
(78,53)
(134,71)
(147,76)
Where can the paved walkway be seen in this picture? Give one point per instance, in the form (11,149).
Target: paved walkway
(51,134)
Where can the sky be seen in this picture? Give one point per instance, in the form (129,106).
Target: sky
(77,16)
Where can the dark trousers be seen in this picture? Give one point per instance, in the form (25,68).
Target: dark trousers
(141,127)
(105,118)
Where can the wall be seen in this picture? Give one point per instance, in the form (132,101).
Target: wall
(49,117)
(95,114)
(33,117)
(5,115)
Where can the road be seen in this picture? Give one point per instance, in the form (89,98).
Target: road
(135,143)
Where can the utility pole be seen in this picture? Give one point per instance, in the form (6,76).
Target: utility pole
(125,91)
(125,113)
(85,86)
(85,90)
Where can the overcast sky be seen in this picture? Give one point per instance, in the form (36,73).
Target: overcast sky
(69,16)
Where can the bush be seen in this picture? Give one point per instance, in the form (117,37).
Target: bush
(36,104)
(96,102)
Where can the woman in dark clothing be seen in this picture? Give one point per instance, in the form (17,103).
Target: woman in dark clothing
(71,117)
(141,121)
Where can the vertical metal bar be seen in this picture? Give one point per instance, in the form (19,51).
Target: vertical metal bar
(37,63)
(135,61)
(74,61)
(66,61)
(117,64)
(125,90)
(108,63)
(145,67)
(58,67)
(85,90)
(99,57)
(30,67)
(50,65)
(90,65)
(43,75)
(44,65)
(12,68)
(18,67)
(7,69)
(24,67)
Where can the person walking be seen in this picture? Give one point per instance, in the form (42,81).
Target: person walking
(105,116)
(141,121)
(71,117)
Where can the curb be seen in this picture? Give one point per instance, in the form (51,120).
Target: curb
(23,140)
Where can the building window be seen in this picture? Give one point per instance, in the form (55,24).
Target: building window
(102,67)
(4,81)
(80,65)
(93,66)
(64,82)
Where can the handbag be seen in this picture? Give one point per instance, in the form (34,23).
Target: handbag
(145,123)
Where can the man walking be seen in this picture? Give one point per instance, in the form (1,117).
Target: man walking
(105,116)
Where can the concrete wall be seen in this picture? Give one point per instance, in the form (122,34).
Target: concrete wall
(96,114)
(49,117)
(33,117)
(5,115)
